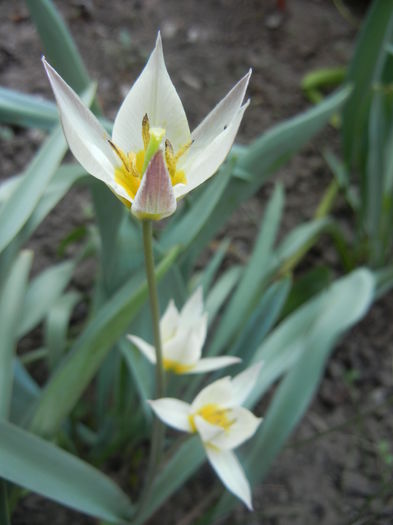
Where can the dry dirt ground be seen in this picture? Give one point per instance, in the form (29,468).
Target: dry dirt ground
(337,467)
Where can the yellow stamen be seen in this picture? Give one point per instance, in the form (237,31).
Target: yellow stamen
(145,131)
(183,150)
(177,177)
(170,158)
(122,156)
(213,414)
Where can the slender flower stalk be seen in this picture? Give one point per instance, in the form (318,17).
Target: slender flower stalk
(158,428)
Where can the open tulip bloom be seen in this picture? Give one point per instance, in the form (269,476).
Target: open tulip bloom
(183,335)
(152,159)
(221,422)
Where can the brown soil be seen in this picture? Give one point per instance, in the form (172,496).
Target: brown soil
(343,476)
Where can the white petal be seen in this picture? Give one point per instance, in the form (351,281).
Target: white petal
(173,412)
(86,137)
(243,383)
(169,321)
(206,430)
(213,363)
(229,470)
(153,94)
(219,393)
(209,160)
(146,349)
(219,118)
(243,427)
(183,348)
(193,308)
(155,198)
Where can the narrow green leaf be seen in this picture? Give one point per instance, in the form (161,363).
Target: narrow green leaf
(221,291)
(265,315)
(56,325)
(206,277)
(24,393)
(173,476)
(138,367)
(64,178)
(327,315)
(37,465)
(58,43)
(254,275)
(90,349)
(298,242)
(11,300)
(362,73)
(42,293)
(306,286)
(187,229)
(18,208)
(21,109)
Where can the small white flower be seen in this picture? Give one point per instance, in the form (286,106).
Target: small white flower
(152,159)
(222,423)
(183,335)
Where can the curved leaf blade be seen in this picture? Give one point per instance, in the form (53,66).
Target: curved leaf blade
(40,466)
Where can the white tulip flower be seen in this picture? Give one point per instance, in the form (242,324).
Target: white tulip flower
(183,335)
(152,159)
(221,422)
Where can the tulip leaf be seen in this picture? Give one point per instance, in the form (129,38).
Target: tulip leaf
(58,43)
(264,316)
(253,276)
(24,393)
(21,109)
(11,299)
(40,466)
(221,291)
(89,350)
(56,325)
(141,372)
(64,178)
(185,230)
(175,473)
(17,209)
(42,293)
(206,277)
(363,72)
(332,311)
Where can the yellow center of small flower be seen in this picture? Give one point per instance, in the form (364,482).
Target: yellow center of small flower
(176,367)
(213,414)
(133,164)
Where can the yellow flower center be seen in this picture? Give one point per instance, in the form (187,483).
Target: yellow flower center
(133,164)
(176,367)
(213,414)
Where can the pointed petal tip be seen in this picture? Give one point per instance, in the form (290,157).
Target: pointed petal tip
(158,46)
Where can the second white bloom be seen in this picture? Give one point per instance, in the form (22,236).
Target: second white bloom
(183,335)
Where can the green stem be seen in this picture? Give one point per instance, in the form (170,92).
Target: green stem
(158,428)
